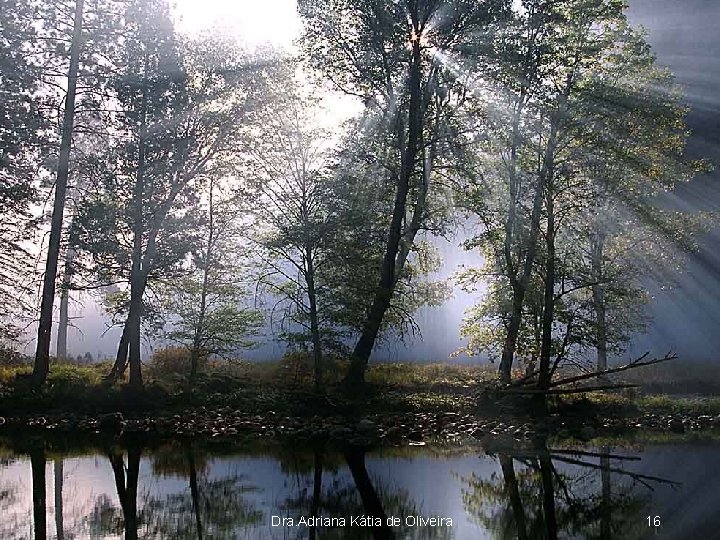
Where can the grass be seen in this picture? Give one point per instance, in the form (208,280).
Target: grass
(285,388)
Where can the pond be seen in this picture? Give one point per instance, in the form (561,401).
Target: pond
(142,489)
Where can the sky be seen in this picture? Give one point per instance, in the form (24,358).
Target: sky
(683,35)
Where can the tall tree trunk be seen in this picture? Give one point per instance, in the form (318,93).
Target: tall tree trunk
(355,377)
(58,478)
(37,464)
(195,493)
(314,323)
(521,284)
(41,366)
(549,296)
(598,294)
(372,504)
(64,321)
(317,492)
(511,486)
(508,352)
(137,280)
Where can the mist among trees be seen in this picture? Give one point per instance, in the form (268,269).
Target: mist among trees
(198,191)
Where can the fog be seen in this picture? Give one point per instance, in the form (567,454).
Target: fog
(684,36)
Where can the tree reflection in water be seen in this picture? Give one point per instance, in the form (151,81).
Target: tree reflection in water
(361,495)
(183,491)
(537,500)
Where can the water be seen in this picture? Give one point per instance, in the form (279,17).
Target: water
(185,490)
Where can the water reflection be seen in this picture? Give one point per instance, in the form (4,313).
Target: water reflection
(590,497)
(185,490)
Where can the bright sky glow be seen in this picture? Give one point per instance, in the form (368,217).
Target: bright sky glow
(251,22)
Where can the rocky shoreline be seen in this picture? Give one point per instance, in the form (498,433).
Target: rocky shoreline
(226,423)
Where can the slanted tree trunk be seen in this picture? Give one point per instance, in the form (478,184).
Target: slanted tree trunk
(521,284)
(37,464)
(58,478)
(372,504)
(383,293)
(598,297)
(41,366)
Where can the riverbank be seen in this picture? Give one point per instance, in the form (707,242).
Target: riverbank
(404,405)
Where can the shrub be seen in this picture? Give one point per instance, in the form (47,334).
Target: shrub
(170,362)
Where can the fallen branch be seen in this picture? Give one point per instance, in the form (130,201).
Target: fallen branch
(634,364)
(563,391)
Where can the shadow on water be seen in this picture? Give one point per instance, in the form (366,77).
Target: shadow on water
(145,489)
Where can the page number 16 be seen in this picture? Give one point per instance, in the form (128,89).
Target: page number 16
(653,521)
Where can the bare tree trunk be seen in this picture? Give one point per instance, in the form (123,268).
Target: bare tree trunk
(383,294)
(64,321)
(58,478)
(41,366)
(314,323)
(511,486)
(598,294)
(37,464)
(549,295)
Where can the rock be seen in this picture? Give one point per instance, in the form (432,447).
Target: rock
(676,426)
(415,436)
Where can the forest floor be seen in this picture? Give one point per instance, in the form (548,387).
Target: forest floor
(403,404)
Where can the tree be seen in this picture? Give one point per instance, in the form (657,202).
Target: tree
(593,100)
(41,366)
(387,53)
(294,219)
(204,308)
(21,140)
(182,107)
